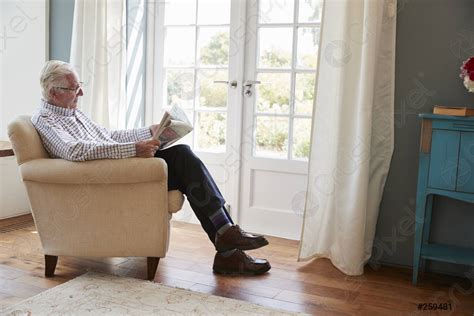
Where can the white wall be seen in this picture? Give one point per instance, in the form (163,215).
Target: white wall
(22,54)
(23,51)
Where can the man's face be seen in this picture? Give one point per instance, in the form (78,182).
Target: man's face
(66,95)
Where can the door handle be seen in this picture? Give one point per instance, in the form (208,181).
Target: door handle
(248,87)
(232,84)
(250,83)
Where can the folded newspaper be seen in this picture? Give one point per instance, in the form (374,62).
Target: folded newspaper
(173,126)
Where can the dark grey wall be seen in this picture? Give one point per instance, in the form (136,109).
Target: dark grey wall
(433,38)
(60,28)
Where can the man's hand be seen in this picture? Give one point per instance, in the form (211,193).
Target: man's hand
(154,128)
(147,148)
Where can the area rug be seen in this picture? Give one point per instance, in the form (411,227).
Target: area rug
(101,294)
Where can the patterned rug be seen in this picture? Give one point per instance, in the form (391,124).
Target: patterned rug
(99,294)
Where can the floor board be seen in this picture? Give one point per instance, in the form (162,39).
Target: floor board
(314,287)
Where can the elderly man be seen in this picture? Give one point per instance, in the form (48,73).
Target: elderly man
(67,133)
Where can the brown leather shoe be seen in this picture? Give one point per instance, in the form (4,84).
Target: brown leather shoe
(239,263)
(235,238)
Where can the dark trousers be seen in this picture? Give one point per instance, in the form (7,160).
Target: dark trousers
(187,173)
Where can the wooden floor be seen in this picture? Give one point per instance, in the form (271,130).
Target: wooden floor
(315,287)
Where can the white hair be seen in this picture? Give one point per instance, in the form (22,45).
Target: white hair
(54,73)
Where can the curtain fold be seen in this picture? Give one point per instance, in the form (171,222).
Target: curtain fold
(98,53)
(352,133)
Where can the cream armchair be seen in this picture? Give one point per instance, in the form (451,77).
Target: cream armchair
(101,208)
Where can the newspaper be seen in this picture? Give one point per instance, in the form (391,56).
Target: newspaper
(173,126)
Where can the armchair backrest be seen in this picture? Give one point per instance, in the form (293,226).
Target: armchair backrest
(25,140)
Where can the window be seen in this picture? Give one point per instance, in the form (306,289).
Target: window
(288,40)
(196,54)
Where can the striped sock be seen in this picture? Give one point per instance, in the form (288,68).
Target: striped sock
(220,221)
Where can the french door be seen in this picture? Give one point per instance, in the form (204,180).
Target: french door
(244,72)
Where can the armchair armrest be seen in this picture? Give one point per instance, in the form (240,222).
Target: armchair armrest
(130,170)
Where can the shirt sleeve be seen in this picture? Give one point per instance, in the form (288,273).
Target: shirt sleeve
(59,143)
(131,135)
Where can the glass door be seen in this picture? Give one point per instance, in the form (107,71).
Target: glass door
(199,66)
(196,54)
(281,59)
(244,71)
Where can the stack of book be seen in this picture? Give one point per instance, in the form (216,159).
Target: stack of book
(453,111)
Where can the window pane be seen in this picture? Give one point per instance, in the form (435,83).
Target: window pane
(179,87)
(304,93)
(188,139)
(308,44)
(179,46)
(301,137)
(212,94)
(271,137)
(214,12)
(214,46)
(211,131)
(310,10)
(179,12)
(273,93)
(271,11)
(275,47)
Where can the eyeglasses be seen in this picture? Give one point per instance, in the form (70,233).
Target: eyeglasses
(76,90)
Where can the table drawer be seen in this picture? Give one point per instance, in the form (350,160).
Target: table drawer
(453,125)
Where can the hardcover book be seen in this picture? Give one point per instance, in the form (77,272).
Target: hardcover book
(453,111)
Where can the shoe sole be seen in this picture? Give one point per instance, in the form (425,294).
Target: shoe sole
(231,272)
(249,247)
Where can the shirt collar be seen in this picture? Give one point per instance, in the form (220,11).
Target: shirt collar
(48,107)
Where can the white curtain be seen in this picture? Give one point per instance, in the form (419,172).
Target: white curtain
(352,132)
(98,52)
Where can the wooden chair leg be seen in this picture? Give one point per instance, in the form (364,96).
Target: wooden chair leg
(152,264)
(50,265)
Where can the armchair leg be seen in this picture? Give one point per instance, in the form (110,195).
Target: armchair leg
(152,264)
(50,265)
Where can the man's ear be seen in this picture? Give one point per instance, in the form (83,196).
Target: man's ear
(52,94)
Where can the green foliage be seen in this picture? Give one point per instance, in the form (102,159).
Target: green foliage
(304,93)
(302,150)
(309,61)
(180,86)
(274,93)
(217,51)
(212,130)
(275,59)
(272,134)
(317,6)
(211,94)
(212,97)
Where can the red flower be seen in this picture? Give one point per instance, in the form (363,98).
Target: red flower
(467,68)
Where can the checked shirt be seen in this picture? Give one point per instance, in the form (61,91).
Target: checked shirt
(71,135)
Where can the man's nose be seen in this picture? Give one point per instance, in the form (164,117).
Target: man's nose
(80,92)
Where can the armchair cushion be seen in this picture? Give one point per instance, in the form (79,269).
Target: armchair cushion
(130,170)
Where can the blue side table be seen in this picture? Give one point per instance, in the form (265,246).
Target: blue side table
(446,167)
